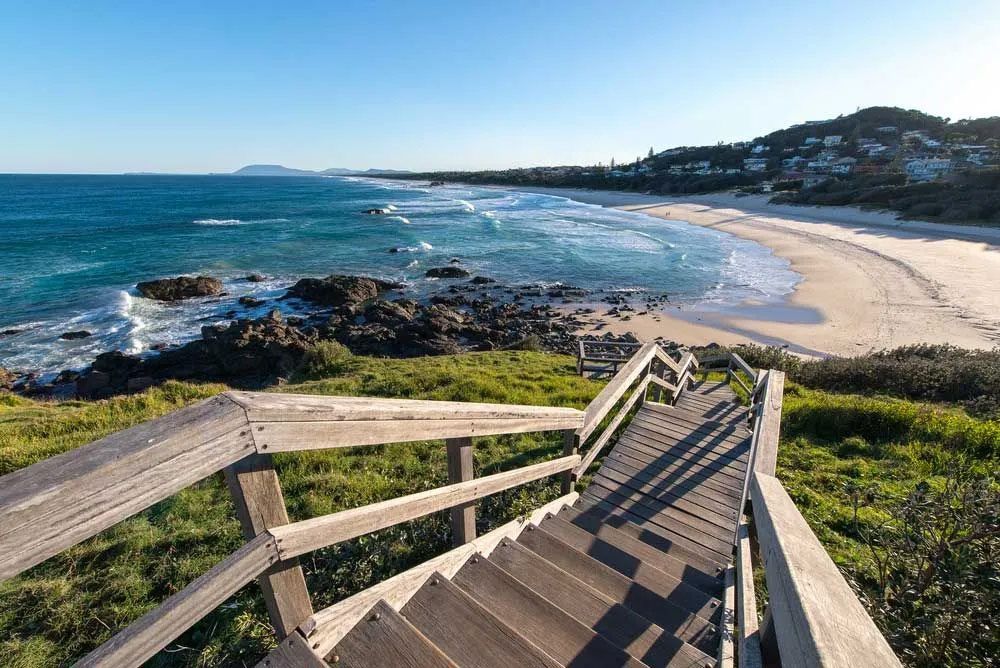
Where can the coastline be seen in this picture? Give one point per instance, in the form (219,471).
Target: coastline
(869,281)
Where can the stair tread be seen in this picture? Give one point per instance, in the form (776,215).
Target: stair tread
(541,622)
(466,632)
(621,626)
(710,480)
(686,625)
(384,638)
(682,564)
(687,498)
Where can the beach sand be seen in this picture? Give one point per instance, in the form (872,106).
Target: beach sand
(869,281)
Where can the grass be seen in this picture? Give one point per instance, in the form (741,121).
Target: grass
(59,610)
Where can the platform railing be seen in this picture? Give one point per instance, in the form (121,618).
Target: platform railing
(54,504)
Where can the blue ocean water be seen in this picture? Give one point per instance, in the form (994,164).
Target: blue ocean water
(73,247)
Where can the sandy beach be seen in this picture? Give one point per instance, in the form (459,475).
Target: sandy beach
(869,281)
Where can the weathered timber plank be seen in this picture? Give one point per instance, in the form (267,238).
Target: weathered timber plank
(307,535)
(260,505)
(470,635)
(56,503)
(615,389)
(609,431)
(599,514)
(463,516)
(628,556)
(688,626)
(721,470)
(651,518)
(727,453)
(281,407)
(818,621)
(680,431)
(154,630)
(293,652)
(669,516)
(680,498)
(629,630)
(319,435)
(748,637)
(383,638)
(692,419)
(692,483)
(328,626)
(540,622)
(726,652)
(768,425)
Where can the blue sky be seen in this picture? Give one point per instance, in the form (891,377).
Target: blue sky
(210,86)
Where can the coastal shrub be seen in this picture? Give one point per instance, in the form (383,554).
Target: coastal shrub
(970,378)
(326,358)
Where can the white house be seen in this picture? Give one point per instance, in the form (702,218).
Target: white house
(755,164)
(832,140)
(813,140)
(759,148)
(927,169)
(843,166)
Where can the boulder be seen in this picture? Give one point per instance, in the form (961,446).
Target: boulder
(255,278)
(447,272)
(7,379)
(72,336)
(482,280)
(247,300)
(340,291)
(182,287)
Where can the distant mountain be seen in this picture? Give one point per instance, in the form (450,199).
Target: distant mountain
(272,170)
(280,170)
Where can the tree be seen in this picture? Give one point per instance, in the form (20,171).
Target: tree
(612,163)
(650,155)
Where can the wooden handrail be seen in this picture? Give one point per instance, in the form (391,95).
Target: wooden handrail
(609,431)
(598,408)
(818,620)
(312,534)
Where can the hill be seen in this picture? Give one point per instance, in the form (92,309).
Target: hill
(272,170)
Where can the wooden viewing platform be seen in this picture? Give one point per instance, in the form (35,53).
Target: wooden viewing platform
(649,564)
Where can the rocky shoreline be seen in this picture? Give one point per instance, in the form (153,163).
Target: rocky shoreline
(367,315)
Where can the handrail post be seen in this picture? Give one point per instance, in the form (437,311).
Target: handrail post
(571,445)
(463,516)
(260,505)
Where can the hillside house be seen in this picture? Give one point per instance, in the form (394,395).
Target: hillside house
(755,164)
(927,169)
(832,140)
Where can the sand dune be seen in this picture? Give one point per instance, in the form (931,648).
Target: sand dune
(869,281)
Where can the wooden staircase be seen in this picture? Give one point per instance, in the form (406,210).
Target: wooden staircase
(646,561)
(630,575)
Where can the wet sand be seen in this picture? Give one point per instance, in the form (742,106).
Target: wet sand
(869,281)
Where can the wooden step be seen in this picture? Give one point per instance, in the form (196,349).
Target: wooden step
(685,497)
(680,563)
(710,481)
(627,629)
(542,623)
(384,638)
(669,536)
(466,632)
(702,531)
(726,453)
(689,627)
(691,413)
(721,411)
(683,419)
(732,436)
(607,515)
(679,591)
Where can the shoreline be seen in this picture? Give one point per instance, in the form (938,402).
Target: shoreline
(869,281)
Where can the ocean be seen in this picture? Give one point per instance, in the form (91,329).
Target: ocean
(72,249)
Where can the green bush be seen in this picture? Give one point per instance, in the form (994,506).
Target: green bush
(326,358)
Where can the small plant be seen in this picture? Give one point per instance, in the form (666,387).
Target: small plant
(325,359)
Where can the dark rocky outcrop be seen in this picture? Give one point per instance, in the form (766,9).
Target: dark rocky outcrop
(346,292)
(482,280)
(255,278)
(72,336)
(7,378)
(182,287)
(247,300)
(447,272)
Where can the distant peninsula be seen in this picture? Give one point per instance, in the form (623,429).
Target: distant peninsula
(281,170)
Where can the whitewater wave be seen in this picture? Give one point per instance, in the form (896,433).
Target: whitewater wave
(231,222)
(414,263)
(391,207)
(466,205)
(403,219)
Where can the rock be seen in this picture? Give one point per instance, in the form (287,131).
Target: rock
(447,272)
(139,384)
(182,287)
(434,184)
(394,250)
(340,291)
(376,212)
(7,378)
(92,382)
(482,280)
(455,260)
(255,278)
(247,300)
(72,336)
(10,332)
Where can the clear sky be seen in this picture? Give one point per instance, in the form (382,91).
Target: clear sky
(213,85)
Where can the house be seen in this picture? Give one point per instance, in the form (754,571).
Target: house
(755,164)
(644,169)
(813,180)
(927,169)
(698,164)
(887,129)
(760,148)
(794,162)
(874,150)
(812,140)
(843,165)
(832,140)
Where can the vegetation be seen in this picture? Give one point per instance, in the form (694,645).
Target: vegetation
(899,492)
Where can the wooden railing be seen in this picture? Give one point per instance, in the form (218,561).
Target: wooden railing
(599,358)
(54,504)
(812,617)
